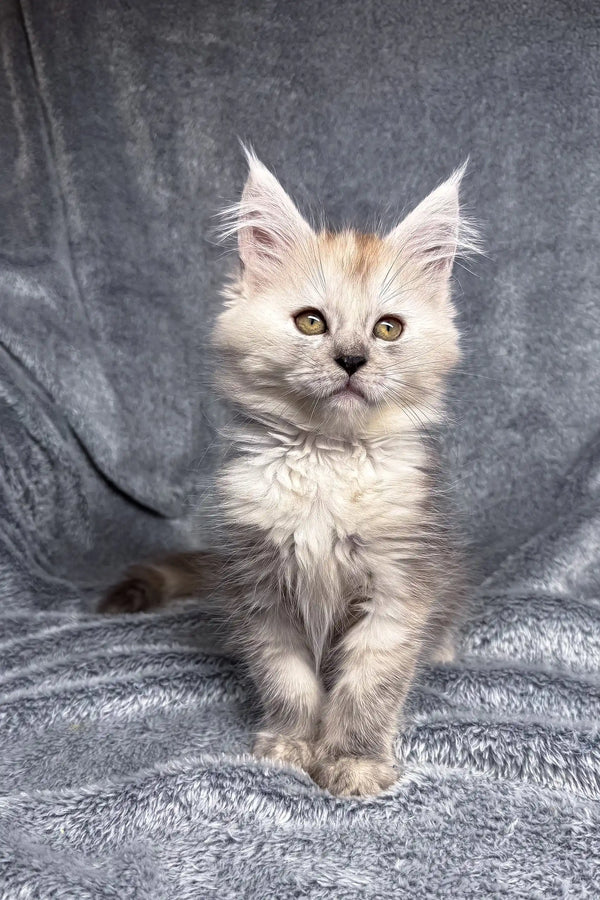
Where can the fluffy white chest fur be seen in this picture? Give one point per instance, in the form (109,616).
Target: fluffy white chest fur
(333,509)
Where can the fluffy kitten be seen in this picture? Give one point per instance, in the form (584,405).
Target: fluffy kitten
(342,574)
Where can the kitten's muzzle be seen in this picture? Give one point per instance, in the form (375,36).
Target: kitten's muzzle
(351,364)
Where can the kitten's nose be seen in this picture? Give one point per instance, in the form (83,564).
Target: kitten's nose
(351,363)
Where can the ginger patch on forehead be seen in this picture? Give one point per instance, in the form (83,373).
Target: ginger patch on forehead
(356,253)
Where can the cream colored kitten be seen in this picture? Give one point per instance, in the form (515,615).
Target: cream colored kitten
(342,574)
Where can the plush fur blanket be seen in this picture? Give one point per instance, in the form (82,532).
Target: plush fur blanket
(124,764)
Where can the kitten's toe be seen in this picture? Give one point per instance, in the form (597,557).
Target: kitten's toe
(136,593)
(350,776)
(292,751)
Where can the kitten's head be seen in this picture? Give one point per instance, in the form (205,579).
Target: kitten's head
(344,331)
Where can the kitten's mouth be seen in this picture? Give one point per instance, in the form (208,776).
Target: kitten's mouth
(349,390)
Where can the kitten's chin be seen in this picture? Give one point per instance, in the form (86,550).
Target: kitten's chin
(345,412)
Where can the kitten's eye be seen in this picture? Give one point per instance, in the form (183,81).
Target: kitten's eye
(389,328)
(310,322)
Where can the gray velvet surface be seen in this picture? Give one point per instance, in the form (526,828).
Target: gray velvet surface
(124,766)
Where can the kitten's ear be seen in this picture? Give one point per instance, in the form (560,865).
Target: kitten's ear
(430,236)
(267,223)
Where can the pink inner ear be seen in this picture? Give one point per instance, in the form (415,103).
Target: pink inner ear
(430,234)
(267,222)
(441,256)
(261,238)
(259,249)
(261,252)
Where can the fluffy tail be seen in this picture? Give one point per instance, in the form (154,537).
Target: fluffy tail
(157,583)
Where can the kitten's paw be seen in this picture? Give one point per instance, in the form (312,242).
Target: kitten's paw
(289,750)
(141,590)
(350,776)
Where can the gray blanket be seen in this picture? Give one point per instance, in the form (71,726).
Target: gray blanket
(124,764)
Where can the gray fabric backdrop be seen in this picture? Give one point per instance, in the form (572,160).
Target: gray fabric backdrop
(124,769)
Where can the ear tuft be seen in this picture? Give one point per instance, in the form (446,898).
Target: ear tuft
(266,222)
(435,232)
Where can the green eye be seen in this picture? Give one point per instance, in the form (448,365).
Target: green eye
(388,329)
(310,322)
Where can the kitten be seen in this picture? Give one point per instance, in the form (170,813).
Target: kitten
(342,572)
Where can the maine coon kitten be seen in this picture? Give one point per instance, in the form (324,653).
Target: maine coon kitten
(341,573)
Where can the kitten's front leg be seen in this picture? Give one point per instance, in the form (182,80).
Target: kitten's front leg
(282,668)
(376,665)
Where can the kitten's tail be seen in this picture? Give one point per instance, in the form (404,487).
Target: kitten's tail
(156,583)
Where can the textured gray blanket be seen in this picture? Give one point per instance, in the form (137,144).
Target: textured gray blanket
(124,766)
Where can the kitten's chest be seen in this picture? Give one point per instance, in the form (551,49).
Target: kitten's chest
(319,500)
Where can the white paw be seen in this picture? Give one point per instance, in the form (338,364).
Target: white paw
(350,776)
(285,749)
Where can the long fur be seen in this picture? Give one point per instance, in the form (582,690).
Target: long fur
(343,573)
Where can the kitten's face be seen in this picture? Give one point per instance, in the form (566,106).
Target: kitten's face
(339,331)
